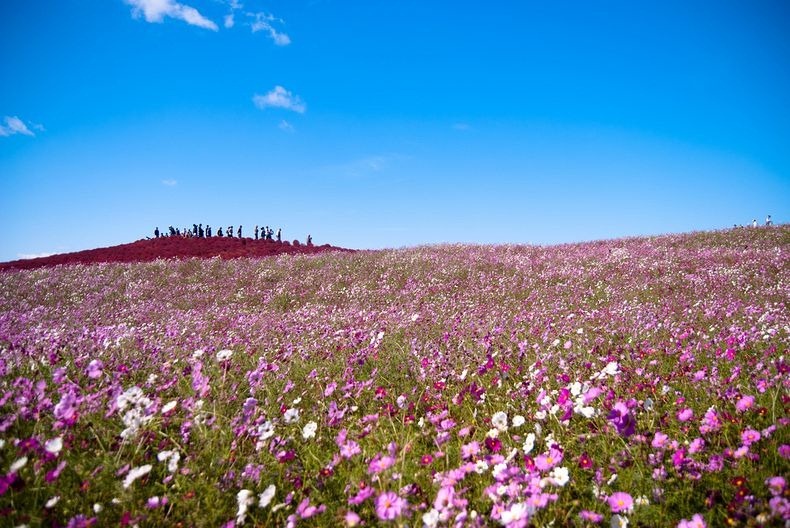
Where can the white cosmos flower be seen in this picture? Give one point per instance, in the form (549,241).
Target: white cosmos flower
(481,466)
(309,430)
(529,443)
(559,476)
(267,496)
(619,521)
(54,446)
(52,502)
(518,420)
(197,353)
(224,355)
(291,415)
(169,406)
(18,464)
(499,420)
(244,498)
(136,473)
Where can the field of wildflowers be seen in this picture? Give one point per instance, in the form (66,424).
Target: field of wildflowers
(634,382)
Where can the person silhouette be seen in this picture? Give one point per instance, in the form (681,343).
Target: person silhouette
(768,221)
(156,232)
(238,233)
(279,235)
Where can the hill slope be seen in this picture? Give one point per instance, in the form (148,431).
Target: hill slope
(172,247)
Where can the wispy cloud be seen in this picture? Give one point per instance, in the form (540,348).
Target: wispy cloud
(169,183)
(157,10)
(14,125)
(32,255)
(279,97)
(463,127)
(285,126)
(365,167)
(263,22)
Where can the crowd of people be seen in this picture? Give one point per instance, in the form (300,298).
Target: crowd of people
(197,231)
(768,222)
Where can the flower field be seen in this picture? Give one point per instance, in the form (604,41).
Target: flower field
(633,382)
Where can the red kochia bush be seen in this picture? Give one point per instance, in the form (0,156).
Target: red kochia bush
(172,247)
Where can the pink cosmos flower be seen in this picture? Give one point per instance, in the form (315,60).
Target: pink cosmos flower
(620,502)
(697,445)
(389,506)
(744,404)
(591,516)
(750,436)
(548,461)
(659,440)
(696,522)
(94,369)
(710,422)
(469,450)
(776,485)
(380,463)
(352,519)
(684,415)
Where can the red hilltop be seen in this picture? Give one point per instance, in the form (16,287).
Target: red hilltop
(173,247)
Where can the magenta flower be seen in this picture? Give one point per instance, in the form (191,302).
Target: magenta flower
(66,407)
(620,502)
(621,417)
(389,506)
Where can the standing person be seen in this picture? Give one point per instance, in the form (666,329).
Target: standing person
(238,234)
(768,221)
(219,232)
(265,234)
(200,231)
(208,231)
(156,231)
(279,235)
(229,231)
(754,223)
(309,240)
(256,232)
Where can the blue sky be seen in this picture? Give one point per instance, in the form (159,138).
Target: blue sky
(390,123)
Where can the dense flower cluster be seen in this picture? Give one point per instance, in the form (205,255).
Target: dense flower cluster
(637,381)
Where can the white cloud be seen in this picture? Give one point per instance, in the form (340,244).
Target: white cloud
(279,97)
(169,182)
(32,255)
(286,126)
(157,10)
(263,22)
(14,125)
(229,21)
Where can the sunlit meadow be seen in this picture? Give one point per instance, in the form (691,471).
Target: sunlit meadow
(634,382)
